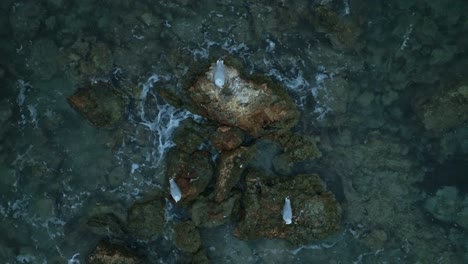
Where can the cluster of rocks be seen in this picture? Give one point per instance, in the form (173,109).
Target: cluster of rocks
(212,165)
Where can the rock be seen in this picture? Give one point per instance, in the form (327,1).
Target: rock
(191,172)
(107,253)
(187,237)
(102,104)
(343,34)
(146,218)
(298,148)
(258,107)
(231,165)
(107,224)
(227,138)
(445,110)
(190,135)
(316,213)
(206,213)
(25,19)
(44,59)
(445,204)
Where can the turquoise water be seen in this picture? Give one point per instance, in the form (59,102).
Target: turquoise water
(380,86)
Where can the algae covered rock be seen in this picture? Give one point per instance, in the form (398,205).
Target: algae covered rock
(107,253)
(207,213)
(101,103)
(445,110)
(316,213)
(257,107)
(187,237)
(146,218)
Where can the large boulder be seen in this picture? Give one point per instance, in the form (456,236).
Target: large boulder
(316,213)
(258,106)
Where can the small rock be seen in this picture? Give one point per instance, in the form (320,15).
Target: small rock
(107,253)
(206,213)
(231,165)
(227,138)
(102,104)
(445,110)
(146,219)
(187,237)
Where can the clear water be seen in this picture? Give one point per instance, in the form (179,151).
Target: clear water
(358,83)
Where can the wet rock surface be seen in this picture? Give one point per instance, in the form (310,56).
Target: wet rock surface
(446,110)
(191,173)
(316,213)
(255,106)
(103,105)
(187,237)
(207,213)
(231,166)
(227,138)
(107,253)
(146,218)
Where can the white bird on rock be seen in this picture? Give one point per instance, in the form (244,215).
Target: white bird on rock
(287,211)
(219,73)
(175,190)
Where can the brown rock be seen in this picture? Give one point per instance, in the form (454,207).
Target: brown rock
(257,107)
(107,253)
(191,172)
(227,138)
(102,104)
(316,213)
(231,166)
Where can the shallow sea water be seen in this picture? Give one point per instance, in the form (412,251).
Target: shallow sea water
(358,72)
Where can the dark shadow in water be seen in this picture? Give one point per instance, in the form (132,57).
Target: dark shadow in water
(452,172)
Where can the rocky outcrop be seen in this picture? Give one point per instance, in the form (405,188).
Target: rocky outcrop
(316,213)
(258,107)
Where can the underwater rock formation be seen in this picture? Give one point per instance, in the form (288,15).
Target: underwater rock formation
(257,107)
(187,237)
(207,213)
(102,104)
(107,253)
(315,211)
(446,110)
(146,218)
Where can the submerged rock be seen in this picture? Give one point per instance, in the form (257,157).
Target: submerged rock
(315,211)
(107,253)
(207,213)
(102,104)
(446,110)
(146,218)
(187,237)
(255,106)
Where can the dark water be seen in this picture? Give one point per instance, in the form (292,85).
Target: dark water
(381,85)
